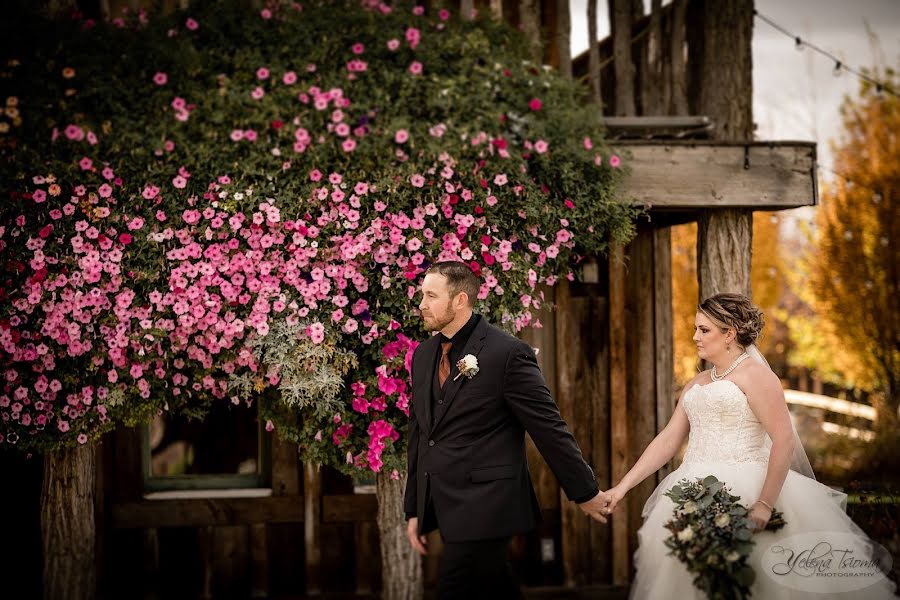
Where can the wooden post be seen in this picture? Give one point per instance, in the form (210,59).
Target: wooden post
(678,81)
(556,24)
(67,524)
(724,246)
(620,19)
(618,408)
(529,21)
(652,82)
(593,52)
(312,527)
(725,237)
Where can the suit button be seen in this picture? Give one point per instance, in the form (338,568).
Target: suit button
(440,401)
(431,442)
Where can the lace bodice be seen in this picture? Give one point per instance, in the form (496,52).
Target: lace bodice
(723,427)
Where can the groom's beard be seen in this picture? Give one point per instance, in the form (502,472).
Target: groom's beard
(438,322)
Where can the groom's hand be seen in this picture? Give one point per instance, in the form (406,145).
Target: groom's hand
(597,507)
(418,542)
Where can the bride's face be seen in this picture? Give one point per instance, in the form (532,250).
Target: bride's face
(710,339)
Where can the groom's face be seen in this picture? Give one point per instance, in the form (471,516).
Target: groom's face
(436,305)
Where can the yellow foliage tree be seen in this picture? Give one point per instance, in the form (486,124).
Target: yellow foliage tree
(850,273)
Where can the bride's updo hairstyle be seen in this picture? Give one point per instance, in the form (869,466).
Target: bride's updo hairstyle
(735,311)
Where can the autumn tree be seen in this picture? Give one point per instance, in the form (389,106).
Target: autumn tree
(767,277)
(850,272)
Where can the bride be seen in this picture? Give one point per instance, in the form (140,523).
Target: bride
(739,429)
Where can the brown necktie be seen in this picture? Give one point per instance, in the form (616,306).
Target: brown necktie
(444,366)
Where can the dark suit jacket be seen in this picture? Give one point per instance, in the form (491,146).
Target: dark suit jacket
(468,458)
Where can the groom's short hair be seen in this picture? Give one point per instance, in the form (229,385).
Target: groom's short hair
(460,278)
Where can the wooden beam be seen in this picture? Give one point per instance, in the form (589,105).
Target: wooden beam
(756,175)
(199,512)
(207,512)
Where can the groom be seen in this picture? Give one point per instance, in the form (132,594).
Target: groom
(468,475)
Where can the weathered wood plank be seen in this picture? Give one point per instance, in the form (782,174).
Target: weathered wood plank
(662,308)
(312,526)
(640,347)
(259,560)
(598,325)
(574,398)
(366,545)
(544,339)
(755,175)
(618,410)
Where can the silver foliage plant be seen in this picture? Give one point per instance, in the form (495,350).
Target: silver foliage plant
(310,375)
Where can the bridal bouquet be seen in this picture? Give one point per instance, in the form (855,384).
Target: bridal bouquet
(712,536)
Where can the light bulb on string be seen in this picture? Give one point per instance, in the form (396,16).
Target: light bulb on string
(838,69)
(798,44)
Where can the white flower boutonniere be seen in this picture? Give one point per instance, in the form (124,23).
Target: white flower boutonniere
(468,366)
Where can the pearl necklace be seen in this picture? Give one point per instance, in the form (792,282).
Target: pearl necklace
(715,375)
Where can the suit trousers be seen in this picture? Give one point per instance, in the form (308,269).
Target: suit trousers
(477,570)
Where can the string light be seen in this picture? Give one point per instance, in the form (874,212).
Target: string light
(839,66)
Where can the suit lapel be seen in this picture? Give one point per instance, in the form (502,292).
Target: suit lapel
(473,346)
(424,396)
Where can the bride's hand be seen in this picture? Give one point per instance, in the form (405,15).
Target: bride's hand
(759,516)
(615,495)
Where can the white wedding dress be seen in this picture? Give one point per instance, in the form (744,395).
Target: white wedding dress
(727,440)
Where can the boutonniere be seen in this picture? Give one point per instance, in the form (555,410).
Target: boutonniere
(468,366)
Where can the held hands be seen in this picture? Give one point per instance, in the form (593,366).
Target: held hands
(418,542)
(597,507)
(615,496)
(759,516)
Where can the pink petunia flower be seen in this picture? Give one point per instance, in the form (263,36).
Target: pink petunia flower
(160,78)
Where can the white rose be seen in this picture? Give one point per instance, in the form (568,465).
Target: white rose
(686,534)
(689,507)
(722,520)
(732,556)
